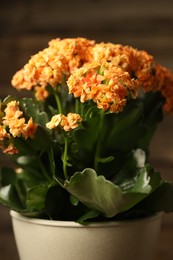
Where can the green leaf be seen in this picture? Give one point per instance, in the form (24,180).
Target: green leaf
(30,147)
(59,206)
(128,121)
(31,109)
(95,192)
(74,201)
(147,182)
(101,195)
(42,139)
(23,146)
(7,176)
(12,189)
(131,164)
(89,133)
(106,159)
(9,197)
(153,114)
(36,197)
(160,199)
(51,161)
(8,99)
(142,184)
(56,202)
(89,215)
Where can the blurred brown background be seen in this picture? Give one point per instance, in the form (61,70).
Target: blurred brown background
(27,26)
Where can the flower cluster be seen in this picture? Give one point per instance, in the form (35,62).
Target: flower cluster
(85,60)
(49,65)
(14,125)
(68,122)
(80,142)
(105,84)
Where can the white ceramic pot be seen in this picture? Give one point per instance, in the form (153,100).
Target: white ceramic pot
(39,239)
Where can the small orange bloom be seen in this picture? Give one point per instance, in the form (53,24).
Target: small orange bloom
(55,121)
(3,133)
(29,129)
(41,93)
(11,149)
(71,121)
(91,69)
(104,83)
(51,64)
(12,111)
(17,124)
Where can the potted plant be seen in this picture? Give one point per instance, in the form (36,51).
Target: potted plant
(79,141)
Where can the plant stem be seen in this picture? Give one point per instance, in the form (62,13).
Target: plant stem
(77,106)
(51,161)
(59,105)
(44,171)
(20,194)
(64,159)
(98,145)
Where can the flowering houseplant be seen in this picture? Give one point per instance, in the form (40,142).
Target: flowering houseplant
(80,139)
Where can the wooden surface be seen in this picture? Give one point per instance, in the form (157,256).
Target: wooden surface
(27,26)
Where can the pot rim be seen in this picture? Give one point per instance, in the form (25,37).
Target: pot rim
(60,223)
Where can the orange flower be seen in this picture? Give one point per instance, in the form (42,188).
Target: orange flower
(104,83)
(55,121)
(71,121)
(12,111)
(19,81)
(166,88)
(41,93)
(46,67)
(29,129)
(11,149)
(3,133)
(50,65)
(11,118)
(17,125)
(76,50)
(80,60)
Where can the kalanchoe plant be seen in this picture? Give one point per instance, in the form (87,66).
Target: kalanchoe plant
(80,141)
